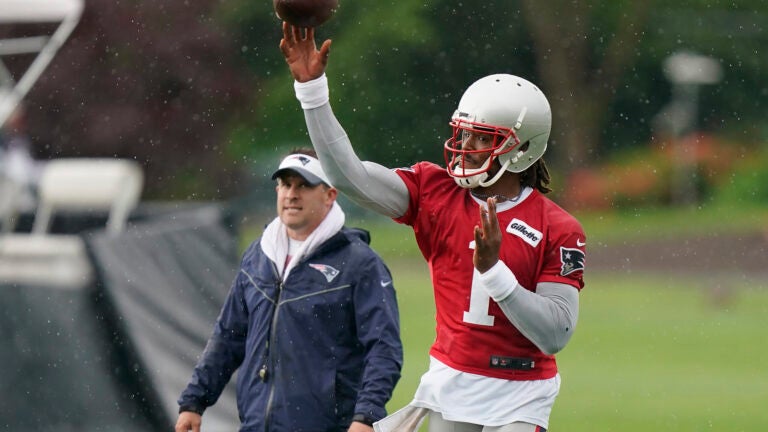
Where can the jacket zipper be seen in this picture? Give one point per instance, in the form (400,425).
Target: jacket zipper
(264,372)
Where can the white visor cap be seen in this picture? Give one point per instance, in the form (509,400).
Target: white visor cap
(306,166)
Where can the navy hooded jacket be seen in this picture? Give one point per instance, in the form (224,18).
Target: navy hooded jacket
(313,350)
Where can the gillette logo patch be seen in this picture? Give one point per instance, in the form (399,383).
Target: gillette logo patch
(525,232)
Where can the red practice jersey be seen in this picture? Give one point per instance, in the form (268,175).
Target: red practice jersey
(541,243)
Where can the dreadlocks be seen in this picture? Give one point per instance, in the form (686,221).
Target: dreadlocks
(537,176)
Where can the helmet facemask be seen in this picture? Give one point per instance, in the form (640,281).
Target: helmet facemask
(503,139)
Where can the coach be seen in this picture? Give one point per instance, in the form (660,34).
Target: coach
(311,321)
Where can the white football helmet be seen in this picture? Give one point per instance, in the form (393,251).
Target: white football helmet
(510,109)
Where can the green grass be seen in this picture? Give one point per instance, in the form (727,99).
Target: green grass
(628,225)
(417,325)
(665,354)
(393,240)
(649,353)
(396,240)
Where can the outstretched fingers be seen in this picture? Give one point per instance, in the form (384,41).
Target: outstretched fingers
(292,35)
(297,34)
(299,48)
(493,220)
(480,229)
(325,52)
(288,41)
(487,238)
(287,33)
(489,223)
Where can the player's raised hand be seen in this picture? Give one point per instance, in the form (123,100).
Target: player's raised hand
(487,238)
(300,51)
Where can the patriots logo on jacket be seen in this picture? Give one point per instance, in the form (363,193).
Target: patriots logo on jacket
(329,272)
(571,259)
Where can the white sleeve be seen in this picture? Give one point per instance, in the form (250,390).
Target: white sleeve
(368,184)
(546,317)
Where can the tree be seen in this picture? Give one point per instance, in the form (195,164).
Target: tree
(399,68)
(157,82)
(580,80)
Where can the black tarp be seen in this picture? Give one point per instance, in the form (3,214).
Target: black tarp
(114,355)
(59,370)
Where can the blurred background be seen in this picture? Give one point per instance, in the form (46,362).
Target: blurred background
(199,94)
(659,145)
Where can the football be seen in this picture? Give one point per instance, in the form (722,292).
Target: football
(305,13)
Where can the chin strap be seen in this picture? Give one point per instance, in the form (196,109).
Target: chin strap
(498,175)
(479,180)
(471,182)
(471,178)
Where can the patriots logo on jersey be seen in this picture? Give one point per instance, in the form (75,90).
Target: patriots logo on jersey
(571,260)
(329,272)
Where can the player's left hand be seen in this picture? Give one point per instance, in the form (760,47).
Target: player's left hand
(300,51)
(487,238)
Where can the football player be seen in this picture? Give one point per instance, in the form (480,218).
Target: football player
(506,262)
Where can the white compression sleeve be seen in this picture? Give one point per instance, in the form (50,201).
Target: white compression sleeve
(547,317)
(368,184)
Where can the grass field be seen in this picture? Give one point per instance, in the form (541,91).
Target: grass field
(651,352)
(660,353)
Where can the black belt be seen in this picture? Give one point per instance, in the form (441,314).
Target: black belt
(500,362)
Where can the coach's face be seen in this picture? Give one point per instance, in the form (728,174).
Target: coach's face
(301,206)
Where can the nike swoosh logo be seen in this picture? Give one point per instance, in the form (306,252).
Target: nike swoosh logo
(385,284)
(580,243)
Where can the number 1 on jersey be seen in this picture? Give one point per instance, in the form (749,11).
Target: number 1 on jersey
(479,301)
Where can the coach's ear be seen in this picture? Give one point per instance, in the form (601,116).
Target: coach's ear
(331,194)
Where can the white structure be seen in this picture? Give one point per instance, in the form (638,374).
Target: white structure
(686,71)
(66,13)
(83,185)
(685,67)
(111,185)
(19,171)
